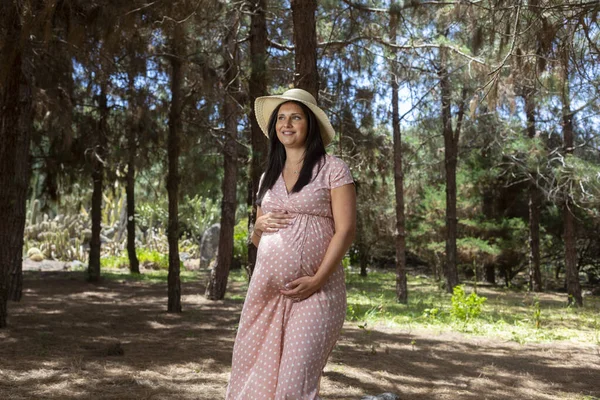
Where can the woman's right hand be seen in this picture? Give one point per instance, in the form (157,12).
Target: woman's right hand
(272,221)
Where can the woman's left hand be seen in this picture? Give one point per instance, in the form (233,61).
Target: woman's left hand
(301,288)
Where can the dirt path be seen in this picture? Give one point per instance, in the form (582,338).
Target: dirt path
(72,340)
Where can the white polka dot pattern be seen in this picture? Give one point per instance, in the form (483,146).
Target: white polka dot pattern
(282,346)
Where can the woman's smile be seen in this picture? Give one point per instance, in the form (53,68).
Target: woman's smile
(292,125)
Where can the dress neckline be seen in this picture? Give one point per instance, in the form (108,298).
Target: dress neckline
(287,192)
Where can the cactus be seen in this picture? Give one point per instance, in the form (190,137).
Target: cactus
(35,212)
(32,251)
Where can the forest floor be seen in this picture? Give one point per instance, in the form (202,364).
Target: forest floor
(69,339)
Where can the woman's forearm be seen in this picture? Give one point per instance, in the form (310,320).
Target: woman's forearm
(256,237)
(338,246)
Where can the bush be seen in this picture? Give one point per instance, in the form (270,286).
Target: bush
(465,308)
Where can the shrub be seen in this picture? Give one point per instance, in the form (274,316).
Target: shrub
(465,308)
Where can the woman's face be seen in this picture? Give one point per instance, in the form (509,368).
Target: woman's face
(292,125)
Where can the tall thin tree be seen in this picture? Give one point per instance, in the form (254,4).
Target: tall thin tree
(98,158)
(134,123)
(177,44)
(401,284)
(217,283)
(535,201)
(571,268)
(451,137)
(257,87)
(16,81)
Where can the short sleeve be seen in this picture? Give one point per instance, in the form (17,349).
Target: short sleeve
(340,174)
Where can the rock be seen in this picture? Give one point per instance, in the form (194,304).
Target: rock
(109,233)
(191,264)
(209,245)
(75,265)
(383,396)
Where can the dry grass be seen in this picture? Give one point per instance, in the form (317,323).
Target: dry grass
(66,338)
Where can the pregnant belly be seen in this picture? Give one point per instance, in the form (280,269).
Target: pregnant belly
(291,253)
(277,261)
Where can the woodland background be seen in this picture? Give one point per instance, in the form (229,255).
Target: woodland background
(470,127)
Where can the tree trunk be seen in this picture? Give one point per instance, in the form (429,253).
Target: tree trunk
(401,285)
(217,283)
(175,128)
(571,270)
(99,157)
(488,206)
(15,130)
(257,88)
(306,75)
(134,264)
(535,200)
(450,162)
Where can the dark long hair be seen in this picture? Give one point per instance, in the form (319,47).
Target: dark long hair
(314,153)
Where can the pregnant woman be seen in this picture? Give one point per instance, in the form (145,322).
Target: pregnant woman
(296,302)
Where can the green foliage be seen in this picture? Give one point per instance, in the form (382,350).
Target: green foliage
(465,308)
(240,241)
(372,299)
(196,214)
(149,259)
(476,248)
(576,179)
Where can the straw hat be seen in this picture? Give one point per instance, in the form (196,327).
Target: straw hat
(265,105)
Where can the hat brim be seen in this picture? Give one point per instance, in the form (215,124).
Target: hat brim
(265,105)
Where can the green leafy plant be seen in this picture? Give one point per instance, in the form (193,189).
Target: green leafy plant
(465,308)
(431,313)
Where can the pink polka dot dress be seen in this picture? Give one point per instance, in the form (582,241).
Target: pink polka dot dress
(282,346)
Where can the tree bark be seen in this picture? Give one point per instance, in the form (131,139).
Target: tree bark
(489,269)
(134,264)
(175,128)
(450,162)
(571,269)
(535,203)
(401,284)
(99,157)
(217,283)
(257,88)
(15,132)
(306,75)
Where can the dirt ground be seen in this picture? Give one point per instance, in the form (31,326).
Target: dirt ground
(69,339)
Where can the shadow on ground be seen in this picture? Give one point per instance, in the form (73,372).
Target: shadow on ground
(69,339)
